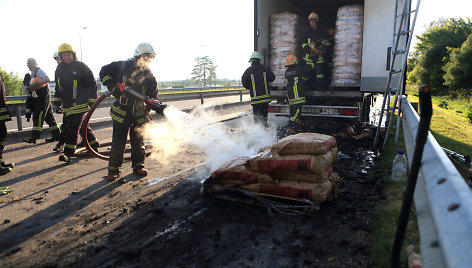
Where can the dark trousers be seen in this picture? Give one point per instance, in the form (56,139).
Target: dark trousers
(295,112)
(118,143)
(72,129)
(3,138)
(43,113)
(261,111)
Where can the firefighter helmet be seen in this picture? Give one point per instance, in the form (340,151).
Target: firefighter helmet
(65,48)
(291,60)
(56,55)
(144,48)
(313,16)
(255,56)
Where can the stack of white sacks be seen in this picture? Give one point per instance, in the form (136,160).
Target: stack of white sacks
(348,46)
(299,166)
(283,41)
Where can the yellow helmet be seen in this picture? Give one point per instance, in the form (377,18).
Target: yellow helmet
(291,60)
(65,48)
(313,16)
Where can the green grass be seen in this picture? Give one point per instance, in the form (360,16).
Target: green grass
(386,216)
(449,126)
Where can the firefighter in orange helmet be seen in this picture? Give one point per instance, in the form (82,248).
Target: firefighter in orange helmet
(296,75)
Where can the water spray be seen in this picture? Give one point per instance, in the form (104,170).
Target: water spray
(152,103)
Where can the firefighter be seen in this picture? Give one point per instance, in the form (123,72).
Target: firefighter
(76,89)
(129,113)
(41,108)
(256,79)
(4,116)
(58,109)
(29,97)
(315,46)
(296,75)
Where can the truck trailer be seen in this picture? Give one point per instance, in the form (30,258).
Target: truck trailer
(348,102)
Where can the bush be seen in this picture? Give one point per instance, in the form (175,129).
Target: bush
(469,114)
(444,104)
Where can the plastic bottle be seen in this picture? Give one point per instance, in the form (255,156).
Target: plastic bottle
(399,167)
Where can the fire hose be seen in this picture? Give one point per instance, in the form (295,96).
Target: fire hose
(150,102)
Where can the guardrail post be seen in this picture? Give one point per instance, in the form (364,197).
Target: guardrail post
(201,98)
(240,96)
(18,118)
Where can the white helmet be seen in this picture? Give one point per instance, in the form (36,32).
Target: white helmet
(56,55)
(255,56)
(144,48)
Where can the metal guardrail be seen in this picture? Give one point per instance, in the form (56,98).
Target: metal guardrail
(443,201)
(18,109)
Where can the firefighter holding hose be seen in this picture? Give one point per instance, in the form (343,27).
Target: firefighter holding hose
(129,113)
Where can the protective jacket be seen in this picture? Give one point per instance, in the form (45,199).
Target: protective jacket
(75,87)
(295,76)
(256,79)
(4,113)
(127,109)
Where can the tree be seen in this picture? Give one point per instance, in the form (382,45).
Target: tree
(432,49)
(458,71)
(204,71)
(12,83)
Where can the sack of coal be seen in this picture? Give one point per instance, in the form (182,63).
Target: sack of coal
(304,143)
(235,172)
(307,177)
(266,162)
(316,192)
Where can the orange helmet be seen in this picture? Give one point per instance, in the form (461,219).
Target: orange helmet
(291,60)
(313,16)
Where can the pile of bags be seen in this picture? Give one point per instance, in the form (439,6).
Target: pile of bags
(283,41)
(298,166)
(348,46)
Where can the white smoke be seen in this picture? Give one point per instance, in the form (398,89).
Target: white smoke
(202,128)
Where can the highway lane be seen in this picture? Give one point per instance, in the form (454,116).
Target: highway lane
(102,113)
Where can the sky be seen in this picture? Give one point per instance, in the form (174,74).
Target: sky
(180,31)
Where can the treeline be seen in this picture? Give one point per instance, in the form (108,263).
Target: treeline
(443,58)
(193,83)
(12,83)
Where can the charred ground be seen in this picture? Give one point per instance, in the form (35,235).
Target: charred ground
(171,224)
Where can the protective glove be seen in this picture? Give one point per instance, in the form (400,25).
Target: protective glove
(59,109)
(28,117)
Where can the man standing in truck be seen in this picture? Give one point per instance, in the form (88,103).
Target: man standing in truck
(256,79)
(296,75)
(315,45)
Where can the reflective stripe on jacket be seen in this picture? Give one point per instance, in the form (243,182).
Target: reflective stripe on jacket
(256,79)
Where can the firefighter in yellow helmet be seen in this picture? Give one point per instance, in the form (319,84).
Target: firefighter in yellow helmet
(296,75)
(129,114)
(315,44)
(256,78)
(76,89)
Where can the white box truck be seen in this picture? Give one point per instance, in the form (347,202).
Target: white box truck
(377,37)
